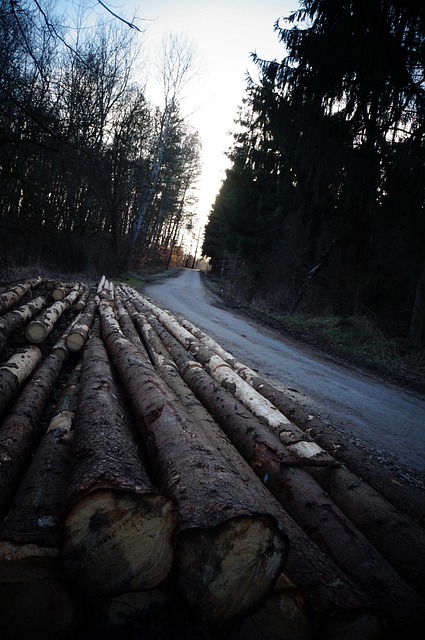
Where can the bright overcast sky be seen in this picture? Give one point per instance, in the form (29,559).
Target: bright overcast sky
(224,32)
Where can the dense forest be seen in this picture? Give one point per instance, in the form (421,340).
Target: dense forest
(322,209)
(92,176)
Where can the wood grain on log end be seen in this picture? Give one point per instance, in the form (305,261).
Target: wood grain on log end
(36,332)
(119,542)
(75,341)
(227,570)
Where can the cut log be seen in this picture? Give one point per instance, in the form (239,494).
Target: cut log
(79,333)
(228,550)
(15,372)
(38,330)
(224,374)
(327,588)
(285,614)
(60,291)
(299,494)
(21,430)
(9,298)
(37,603)
(396,536)
(36,514)
(119,528)
(13,321)
(83,300)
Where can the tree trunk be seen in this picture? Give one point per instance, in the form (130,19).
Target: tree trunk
(119,528)
(79,333)
(228,551)
(15,372)
(38,330)
(10,297)
(418,312)
(303,498)
(21,429)
(13,321)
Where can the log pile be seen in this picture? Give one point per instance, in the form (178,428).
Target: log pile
(151,484)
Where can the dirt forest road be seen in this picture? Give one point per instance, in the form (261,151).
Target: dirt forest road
(387,421)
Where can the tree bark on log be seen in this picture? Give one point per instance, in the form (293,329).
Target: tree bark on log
(297,491)
(79,333)
(12,296)
(21,429)
(228,551)
(36,603)
(13,321)
(85,295)
(327,588)
(119,528)
(36,513)
(15,372)
(60,291)
(38,330)
(400,539)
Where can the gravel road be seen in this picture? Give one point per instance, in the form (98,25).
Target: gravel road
(383,419)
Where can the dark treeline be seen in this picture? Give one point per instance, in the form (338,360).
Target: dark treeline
(322,210)
(92,176)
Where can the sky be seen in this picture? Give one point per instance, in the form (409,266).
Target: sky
(224,33)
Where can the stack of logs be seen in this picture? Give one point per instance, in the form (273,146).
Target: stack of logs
(152,483)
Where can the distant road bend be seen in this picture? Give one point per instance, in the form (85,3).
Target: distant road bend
(385,420)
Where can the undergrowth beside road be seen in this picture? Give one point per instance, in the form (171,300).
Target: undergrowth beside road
(356,340)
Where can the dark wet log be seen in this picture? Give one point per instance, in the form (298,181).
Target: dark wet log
(15,372)
(228,551)
(16,319)
(21,430)
(12,296)
(119,528)
(38,330)
(304,500)
(79,333)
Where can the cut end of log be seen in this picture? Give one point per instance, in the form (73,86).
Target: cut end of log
(36,332)
(226,571)
(117,542)
(75,341)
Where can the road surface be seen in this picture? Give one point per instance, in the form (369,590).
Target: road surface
(383,419)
